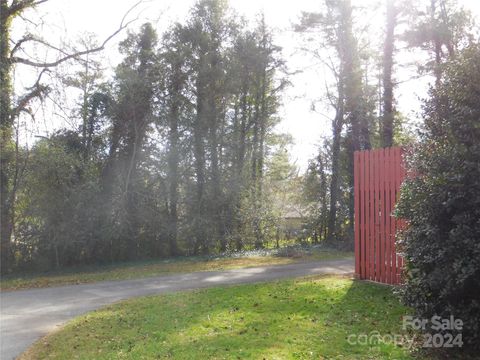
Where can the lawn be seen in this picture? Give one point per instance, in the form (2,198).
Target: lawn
(132,270)
(307,318)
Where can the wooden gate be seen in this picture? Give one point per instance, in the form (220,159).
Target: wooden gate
(377,177)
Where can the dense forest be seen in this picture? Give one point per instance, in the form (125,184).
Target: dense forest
(177,152)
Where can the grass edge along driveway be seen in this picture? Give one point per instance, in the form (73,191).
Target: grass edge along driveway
(144,269)
(304,318)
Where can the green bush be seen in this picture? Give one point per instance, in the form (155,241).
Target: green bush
(441,202)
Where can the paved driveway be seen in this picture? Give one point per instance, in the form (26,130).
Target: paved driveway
(27,315)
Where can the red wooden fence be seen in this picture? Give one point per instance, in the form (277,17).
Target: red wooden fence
(377,174)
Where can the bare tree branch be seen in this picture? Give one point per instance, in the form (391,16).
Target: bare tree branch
(31,37)
(25,61)
(27,20)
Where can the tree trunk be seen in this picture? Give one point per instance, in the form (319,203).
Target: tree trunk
(240,144)
(216,201)
(199,154)
(6,154)
(261,152)
(387,123)
(173,159)
(335,178)
(323,200)
(85,114)
(255,173)
(130,196)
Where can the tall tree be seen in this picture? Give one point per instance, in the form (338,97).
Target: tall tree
(336,29)
(174,116)
(358,131)
(132,117)
(208,31)
(265,106)
(10,170)
(439,27)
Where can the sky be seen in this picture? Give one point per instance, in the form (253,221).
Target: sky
(66,20)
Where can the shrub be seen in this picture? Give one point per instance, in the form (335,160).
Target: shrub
(441,203)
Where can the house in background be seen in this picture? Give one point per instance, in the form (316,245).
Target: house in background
(292,223)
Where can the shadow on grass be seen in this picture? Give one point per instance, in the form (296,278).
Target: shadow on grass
(305,318)
(372,317)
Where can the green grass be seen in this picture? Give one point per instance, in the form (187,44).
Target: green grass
(308,318)
(134,270)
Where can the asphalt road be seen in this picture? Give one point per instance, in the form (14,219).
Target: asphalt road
(27,315)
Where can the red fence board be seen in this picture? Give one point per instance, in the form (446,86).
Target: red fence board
(363,208)
(371,219)
(381,214)
(356,186)
(388,210)
(377,178)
